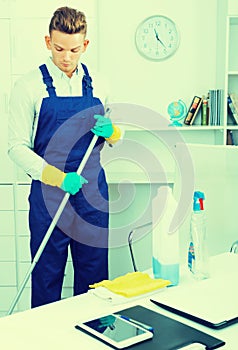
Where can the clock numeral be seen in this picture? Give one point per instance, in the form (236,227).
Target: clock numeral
(146,31)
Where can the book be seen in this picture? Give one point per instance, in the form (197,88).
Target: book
(234,99)
(231,109)
(205,111)
(215,106)
(193,110)
(229,138)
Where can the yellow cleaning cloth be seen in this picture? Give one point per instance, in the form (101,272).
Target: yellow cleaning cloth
(132,284)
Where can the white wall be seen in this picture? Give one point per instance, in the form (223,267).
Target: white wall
(191,71)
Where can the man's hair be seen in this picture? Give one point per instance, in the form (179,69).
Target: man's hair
(68,20)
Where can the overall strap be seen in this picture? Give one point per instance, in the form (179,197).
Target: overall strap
(87,83)
(47,79)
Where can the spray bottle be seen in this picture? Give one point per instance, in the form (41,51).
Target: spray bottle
(165,259)
(198,254)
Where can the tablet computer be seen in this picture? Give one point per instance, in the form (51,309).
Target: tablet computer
(115,330)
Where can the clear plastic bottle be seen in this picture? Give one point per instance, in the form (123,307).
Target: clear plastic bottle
(198,262)
(165,259)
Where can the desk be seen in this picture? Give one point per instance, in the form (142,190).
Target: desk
(51,326)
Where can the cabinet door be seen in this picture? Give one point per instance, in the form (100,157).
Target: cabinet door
(6,297)
(9,278)
(6,197)
(21,197)
(7,223)
(7,248)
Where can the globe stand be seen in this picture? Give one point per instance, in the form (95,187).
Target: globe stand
(175,123)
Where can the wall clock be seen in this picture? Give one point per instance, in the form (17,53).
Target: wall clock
(157,38)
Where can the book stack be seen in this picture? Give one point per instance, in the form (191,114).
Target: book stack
(208,107)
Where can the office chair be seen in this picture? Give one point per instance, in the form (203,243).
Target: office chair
(234,247)
(130,238)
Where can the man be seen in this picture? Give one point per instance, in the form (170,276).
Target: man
(53,118)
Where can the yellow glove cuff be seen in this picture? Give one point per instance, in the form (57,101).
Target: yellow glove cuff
(52,176)
(116,135)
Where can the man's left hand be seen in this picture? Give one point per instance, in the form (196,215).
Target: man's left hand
(103,126)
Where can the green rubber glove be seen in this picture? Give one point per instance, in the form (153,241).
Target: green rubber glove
(73,183)
(103,126)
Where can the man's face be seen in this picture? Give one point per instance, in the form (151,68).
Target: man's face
(66,49)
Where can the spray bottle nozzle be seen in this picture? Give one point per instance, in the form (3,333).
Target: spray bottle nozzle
(198,199)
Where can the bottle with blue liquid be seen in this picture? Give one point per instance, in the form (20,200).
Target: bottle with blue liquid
(165,261)
(198,262)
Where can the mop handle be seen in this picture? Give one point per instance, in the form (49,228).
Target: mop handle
(51,228)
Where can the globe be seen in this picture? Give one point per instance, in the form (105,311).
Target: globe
(177,110)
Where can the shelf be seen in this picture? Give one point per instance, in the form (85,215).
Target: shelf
(201,128)
(232,127)
(235,72)
(185,128)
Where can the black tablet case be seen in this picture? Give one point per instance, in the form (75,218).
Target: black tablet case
(169,334)
(204,322)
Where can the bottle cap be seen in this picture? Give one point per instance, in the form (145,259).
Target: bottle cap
(198,198)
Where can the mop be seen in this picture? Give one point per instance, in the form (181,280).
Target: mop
(53,223)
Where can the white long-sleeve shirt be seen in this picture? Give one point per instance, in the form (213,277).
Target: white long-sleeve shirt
(25,104)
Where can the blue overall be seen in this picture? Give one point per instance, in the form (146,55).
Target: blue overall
(62,138)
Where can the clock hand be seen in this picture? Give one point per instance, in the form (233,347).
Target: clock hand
(157,37)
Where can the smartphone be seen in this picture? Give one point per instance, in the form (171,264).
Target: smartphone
(114,330)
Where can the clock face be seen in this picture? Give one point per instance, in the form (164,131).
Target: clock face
(157,38)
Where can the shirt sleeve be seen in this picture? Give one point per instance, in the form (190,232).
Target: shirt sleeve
(21,129)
